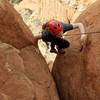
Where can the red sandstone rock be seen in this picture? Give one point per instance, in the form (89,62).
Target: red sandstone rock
(4,97)
(37,71)
(77,74)
(13,81)
(12,28)
(24,75)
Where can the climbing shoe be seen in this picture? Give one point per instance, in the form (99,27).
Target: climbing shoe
(61,51)
(53,51)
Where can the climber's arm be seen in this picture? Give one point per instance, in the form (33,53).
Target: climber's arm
(81,27)
(36,38)
(72,26)
(39,36)
(82,32)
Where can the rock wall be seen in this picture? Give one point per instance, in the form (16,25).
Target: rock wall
(63,9)
(24,77)
(13,82)
(24,74)
(77,73)
(12,28)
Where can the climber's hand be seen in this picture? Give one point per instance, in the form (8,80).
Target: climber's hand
(83,41)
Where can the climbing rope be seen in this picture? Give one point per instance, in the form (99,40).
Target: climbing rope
(96,32)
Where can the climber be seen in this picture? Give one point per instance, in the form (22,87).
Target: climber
(53,33)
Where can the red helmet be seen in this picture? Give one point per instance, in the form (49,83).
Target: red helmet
(54,27)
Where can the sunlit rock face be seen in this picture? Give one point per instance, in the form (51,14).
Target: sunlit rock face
(59,9)
(36,12)
(76,7)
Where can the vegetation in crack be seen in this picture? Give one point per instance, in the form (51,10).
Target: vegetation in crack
(15,1)
(26,13)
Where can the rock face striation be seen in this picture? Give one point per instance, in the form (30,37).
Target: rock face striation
(77,73)
(24,74)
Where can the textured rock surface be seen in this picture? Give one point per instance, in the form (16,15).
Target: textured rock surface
(4,97)
(24,75)
(77,74)
(12,28)
(44,9)
(13,83)
(37,71)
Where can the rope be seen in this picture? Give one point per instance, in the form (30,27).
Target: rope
(96,32)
